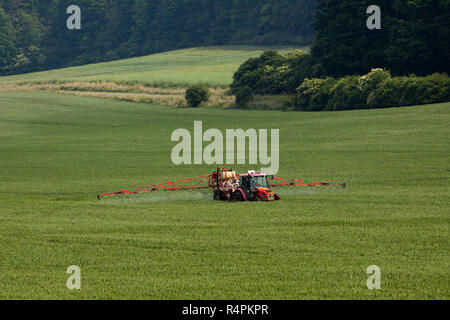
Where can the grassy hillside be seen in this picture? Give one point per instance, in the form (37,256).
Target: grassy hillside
(211,65)
(57,152)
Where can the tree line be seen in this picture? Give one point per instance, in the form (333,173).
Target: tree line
(34,35)
(412,43)
(414,37)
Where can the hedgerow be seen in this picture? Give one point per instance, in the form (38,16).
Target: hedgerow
(376,89)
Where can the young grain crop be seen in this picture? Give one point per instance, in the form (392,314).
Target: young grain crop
(57,152)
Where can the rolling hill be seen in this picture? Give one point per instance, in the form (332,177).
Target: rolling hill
(210,65)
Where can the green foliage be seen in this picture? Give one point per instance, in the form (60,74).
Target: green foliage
(406,91)
(196,94)
(413,37)
(21,32)
(243,96)
(302,65)
(346,95)
(370,81)
(377,89)
(389,93)
(8,48)
(117,29)
(273,73)
(259,74)
(313,94)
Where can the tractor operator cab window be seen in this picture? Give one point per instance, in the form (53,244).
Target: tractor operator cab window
(258,182)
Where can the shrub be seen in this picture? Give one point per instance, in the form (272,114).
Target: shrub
(243,96)
(252,73)
(430,89)
(275,79)
(388,93)
(252,79)
(370,81)
(272,58)
(320,98)
(374,90)
(346,95)
(439,86)
(273,73)
(303,65)
(412,90)
(196,94)
(247,67)
(313,94)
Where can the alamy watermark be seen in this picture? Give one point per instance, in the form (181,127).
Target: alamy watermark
(235,145)
(374,280)
(74,281)
(74,20)
(374,21)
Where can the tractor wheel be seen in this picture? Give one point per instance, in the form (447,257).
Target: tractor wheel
(277,197)
(238,197)
(218,195)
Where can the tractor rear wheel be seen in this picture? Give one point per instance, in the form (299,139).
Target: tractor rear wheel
(218,195)
(238,197)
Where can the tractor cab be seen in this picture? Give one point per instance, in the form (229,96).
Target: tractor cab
(256,187)
(252,186)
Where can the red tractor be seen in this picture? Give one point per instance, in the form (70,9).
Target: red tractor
(229,186)
(252,186)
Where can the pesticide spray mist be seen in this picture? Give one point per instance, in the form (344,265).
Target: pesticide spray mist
(206,195)
(161,197)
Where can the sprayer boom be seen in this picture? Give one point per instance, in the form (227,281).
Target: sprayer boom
(203,182)
(226,184)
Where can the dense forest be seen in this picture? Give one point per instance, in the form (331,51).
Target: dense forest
(406,60)
(414,37)
(34,35)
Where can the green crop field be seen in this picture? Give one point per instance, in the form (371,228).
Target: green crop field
(57,152)
(210,65)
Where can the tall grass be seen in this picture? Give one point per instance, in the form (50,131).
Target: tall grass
(134,91)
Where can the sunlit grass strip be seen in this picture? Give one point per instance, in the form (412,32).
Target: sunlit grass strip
(136,92)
